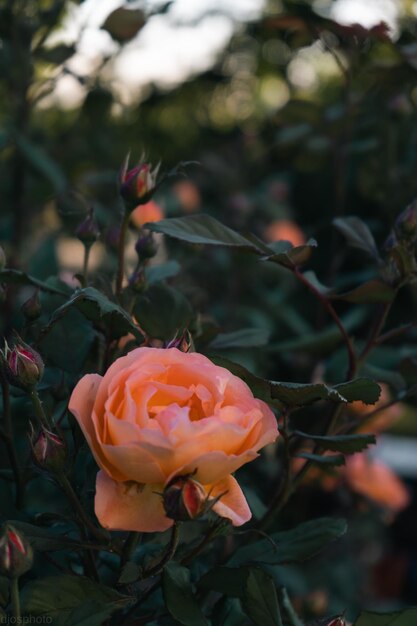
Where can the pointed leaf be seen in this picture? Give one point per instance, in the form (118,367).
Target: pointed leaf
(16,277)
(260,600)
(202,229)
(373,291)
(72,600)
(179,597)
(363,389)
(291,256)
(357,234)
(298,544)
(334,460)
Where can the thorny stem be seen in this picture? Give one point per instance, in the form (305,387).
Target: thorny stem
(168,554)
(7,435)
(72,497)
(189,558)
(329,307)
(121,253)
(133,539)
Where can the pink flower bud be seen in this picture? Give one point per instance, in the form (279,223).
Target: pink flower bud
(138,184)
(49,450)
(185,499)
(22,365)
(16,556)
(183,342)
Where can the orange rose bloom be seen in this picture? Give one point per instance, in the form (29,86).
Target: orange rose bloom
(376,481)
(162,413)
(149,212)
(285,230)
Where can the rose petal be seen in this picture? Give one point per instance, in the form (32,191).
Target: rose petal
(122,506)
(232,504)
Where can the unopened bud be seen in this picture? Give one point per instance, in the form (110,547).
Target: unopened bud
(138,184)
(337,621)
(183,342)
(406,223)
(137,281)
(31,309)
(49,450)
(16,555)
(145,247)
(88,231)
(22,365)
(185,499)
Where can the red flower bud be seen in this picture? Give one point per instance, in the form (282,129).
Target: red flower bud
(337,621)
(138,184)
(49,450)
(22,365)
(16,556)
(183,342)
(145,247)
(88,231)
(185,499)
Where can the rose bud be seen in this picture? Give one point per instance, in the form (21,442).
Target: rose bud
(337,621)
(49,450)
(406,223)
(185,499)
(183,342)
(145,247)
(137,281)
(22,365)
(88,231)
(16,556)
(31,309)
(138,184)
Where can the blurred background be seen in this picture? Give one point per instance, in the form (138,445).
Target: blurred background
(295,112)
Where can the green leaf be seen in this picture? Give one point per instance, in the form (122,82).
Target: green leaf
(202,229)
(45,540)
(162,311)
(130,573)
(371,292)
(405,617)
(291,256)
(179,597)
(296,545)
(244,338)
(357,234)
(156,273)
(260,600)
(16,277)
(286,393)
(334,460)
(363,389)
(348,444)
(227,580)
(97,308)
(72,600)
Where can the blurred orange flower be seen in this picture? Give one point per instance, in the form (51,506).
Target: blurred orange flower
(285,229)
(149,212)
(381,421)
(376,481)
(188,195)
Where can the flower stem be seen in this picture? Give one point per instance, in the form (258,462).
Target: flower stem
(43,419)
(87,250)
(189,558)
(72,497)
(8,438)
(121,253)
(168,554)
(14,598)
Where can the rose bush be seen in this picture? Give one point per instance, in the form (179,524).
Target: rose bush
(162,413)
